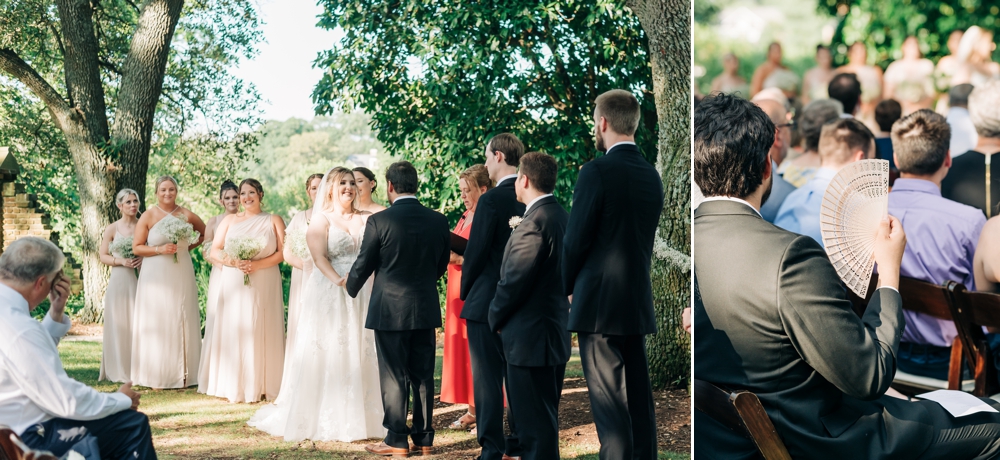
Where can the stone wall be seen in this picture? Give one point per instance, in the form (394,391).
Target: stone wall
(23,216)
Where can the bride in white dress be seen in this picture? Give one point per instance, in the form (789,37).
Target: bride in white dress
(330,389)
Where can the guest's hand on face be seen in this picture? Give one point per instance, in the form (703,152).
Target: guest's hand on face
(686,319)
(58,296)
(126,389)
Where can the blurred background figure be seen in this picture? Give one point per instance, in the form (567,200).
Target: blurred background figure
(963,132)
(730,81)
(910,80)
(816,79)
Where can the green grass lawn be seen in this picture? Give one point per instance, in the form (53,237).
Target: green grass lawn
(190,425)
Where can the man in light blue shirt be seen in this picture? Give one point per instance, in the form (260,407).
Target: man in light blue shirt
(780,188)
(841,143)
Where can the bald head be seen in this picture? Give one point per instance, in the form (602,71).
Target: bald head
(779,116)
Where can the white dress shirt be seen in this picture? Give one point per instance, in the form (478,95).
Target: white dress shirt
(730,198)
(963,133)
(620,143)
(532,203)
(34,386)
(404,197)
(511,176)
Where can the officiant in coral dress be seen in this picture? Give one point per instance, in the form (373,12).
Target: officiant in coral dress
(456,373)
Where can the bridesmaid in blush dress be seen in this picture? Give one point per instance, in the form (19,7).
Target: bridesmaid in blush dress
(301,267)
(456,373)
(119,297)
(365,180)
(246,355)
(166,324)
(229,198)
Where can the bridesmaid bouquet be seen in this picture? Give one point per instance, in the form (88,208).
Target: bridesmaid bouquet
(122,246)
(176,230)
(244,248)
(296,241)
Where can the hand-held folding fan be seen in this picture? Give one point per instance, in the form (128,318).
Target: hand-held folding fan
(854,205)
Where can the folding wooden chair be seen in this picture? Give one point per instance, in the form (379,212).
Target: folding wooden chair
(11,451)
(975,310)
(741,412)
(933,300)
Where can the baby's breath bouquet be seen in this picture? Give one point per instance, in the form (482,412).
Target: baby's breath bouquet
(296,241)
(178,229)
(243,248)
(122,246)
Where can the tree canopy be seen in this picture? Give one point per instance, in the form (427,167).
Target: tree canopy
(441,77)
(883,25)
(103,84)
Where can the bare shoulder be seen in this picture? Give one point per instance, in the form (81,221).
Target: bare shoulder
(277,220)
(109,231)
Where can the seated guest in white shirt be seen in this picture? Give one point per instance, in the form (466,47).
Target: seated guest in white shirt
(840,144)
(44,406)
(963,132)
(941,236)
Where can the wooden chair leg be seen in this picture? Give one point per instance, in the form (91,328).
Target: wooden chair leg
(955,366)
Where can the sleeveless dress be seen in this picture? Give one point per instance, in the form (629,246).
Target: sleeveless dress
(119,301)
(210,302)
(331,387)
(456,371)
(166,324)
(297,284)
(246,353)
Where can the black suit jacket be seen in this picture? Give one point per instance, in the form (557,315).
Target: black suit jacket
(484,254)
(407,248)
(530,307)
(771,316)
(609,244)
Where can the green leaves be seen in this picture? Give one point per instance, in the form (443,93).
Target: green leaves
(441,77)
(883,25)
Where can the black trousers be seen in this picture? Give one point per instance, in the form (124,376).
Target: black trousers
(120,436)
(405,362)
(533,393)
(621,397)
(489,369)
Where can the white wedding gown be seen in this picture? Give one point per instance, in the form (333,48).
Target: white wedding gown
(330,390)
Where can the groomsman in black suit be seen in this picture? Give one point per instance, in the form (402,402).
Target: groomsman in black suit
(606,261)
(531,312)
(407,248)
(480,275)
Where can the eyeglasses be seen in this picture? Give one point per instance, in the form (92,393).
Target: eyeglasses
(789,125)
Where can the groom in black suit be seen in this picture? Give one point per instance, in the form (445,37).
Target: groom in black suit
(606,260)
(530,310)
(407,248)
(480,275)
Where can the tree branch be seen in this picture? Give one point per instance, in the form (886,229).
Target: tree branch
(110,66)
(12,64)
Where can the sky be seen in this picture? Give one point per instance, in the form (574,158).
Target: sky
(283,72)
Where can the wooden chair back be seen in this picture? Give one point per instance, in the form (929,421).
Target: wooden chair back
(741,412)
(974,311)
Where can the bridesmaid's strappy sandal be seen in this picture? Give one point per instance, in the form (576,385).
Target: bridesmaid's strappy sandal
(461,425)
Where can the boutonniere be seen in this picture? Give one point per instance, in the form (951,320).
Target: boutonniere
(515,221)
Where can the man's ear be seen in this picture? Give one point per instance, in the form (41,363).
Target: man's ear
(767,167)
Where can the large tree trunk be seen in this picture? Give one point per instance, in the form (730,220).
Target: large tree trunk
(667,24)
(124,161)
(103,159)
(86,130)
(142,83)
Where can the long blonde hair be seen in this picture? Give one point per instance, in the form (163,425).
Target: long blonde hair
(331,180)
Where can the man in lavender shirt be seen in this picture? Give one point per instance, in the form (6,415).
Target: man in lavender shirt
(941,235)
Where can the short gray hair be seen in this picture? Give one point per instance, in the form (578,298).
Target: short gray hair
(29,258)
(984,109)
